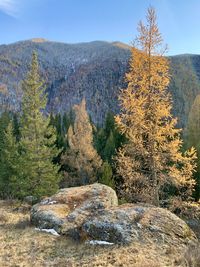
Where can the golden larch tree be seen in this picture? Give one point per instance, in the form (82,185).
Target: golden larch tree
(151,158)
(81,160)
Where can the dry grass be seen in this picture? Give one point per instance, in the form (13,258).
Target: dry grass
(191,258)
(185,209)
(22,246)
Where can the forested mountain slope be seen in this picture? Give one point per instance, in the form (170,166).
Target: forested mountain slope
(92,70)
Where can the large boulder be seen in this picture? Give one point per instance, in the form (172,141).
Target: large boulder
(92,213)
(70,207)
(137,222)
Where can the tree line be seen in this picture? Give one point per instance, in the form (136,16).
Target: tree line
(138,152)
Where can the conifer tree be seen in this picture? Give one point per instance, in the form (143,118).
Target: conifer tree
(110,124)
(81,160)
(4,121)
(110,146)
(59,132)
(61,124)
(108,139)
(58,123)
(193,127)
(67,120)
(9,165)
(151,158)
(193,136)
(38,175)
(107,175)
(16,127)
(100,140)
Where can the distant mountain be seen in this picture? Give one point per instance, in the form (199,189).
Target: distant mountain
(92,70)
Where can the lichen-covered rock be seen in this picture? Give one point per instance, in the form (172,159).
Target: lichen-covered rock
(70,207)
(92,213)
(130,222)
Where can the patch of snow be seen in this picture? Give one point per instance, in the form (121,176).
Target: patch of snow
(139,225)
(48,202)
(44,202)
(154,228)
(51,231)
(52,202)
(99,242)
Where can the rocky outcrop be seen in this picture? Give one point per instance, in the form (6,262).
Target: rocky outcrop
(92,213)
(67,210)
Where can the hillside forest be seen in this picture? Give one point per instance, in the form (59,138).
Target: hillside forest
(139,151)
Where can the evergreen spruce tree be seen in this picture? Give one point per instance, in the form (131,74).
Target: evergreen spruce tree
(108,139)
(4,121)
(16,126)
(58,126)
(193,127)
(9,165)
(100,140)
(58,123)
(38,175)
(151,158)
(110,147)
(193,137)
(110,124)
(81,160)
(106,176)
(66,122)
(51,119)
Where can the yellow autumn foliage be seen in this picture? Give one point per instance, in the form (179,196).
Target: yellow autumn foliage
(82,161)
(152,156)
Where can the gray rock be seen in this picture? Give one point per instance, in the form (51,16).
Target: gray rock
(68,209)
(92,213)
(46,219)
(130,222)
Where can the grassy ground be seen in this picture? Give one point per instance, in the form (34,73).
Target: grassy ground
(21,245)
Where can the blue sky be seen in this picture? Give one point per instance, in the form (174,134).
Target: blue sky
(73,21)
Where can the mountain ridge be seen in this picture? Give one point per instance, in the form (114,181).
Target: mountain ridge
(94,70)
(116,43)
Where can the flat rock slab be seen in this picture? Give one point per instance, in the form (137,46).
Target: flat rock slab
(91,212)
